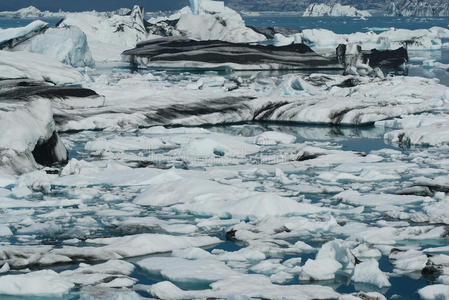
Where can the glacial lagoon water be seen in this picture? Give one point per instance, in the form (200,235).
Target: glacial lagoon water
(100,209)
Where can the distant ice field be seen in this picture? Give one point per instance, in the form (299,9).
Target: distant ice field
(346,25)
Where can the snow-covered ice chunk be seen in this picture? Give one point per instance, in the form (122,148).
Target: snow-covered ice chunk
(211,20)
(101,273)
(254,286)
(320,269)
(187,271)
(381,202)
(432,135)
(141,244)
(420,39)
(127,143)
(205,197)
(336,10)
(281,40)
(39,283)
(369,272)
(109,36)
(22,64)
(434,292)
(25,128)
(6,180)
(5,268)
(5,230)
(66,44)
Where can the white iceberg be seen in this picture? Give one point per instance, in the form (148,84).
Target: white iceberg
(31,12)
(336,10)
(369,272)
(67,44)
(212,20)
(108,36)
(420,39)
(26,127)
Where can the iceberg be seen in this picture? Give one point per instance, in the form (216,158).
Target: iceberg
(30,138)
(191,54)
(31,12)
(369,272)
(108,36)
(420,39)
(206,20)
(211,20)
(67,44)
(337,10)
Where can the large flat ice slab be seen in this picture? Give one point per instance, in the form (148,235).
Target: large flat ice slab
(40,283)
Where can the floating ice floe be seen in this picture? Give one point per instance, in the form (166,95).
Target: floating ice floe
(274,138)
(113,273)
(105,249)
(254,286)
(432,135)
(337,10)
(418,130)
(182,270)
(369,272)
(434,292)
(40,283)
(212,198)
